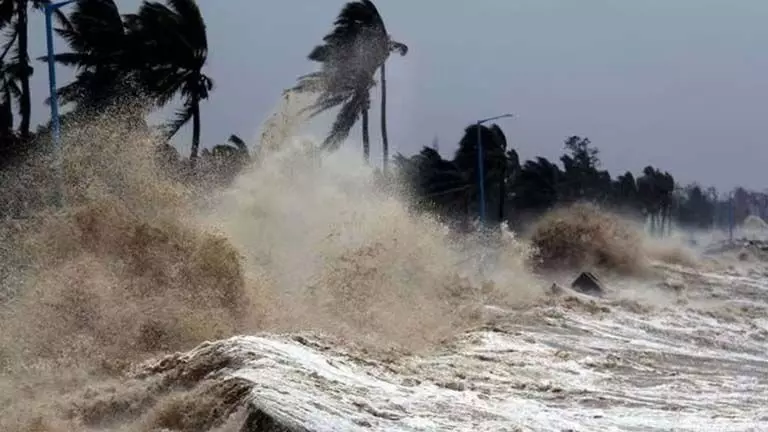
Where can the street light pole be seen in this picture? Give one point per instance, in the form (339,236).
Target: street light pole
(730,218)
(50,8)
(481,162)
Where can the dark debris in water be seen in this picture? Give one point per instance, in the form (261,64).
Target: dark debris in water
(259,421)
(587,283)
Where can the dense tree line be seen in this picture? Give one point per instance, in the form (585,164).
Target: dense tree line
(160,52)
(517,191)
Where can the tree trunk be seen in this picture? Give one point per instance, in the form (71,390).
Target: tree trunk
(668,218)
(502,191)
(465,221)
(384,138)
(25,104)
(366,138)
(195,131)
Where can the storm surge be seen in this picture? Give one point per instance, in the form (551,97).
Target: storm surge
(308,295)
(138,263)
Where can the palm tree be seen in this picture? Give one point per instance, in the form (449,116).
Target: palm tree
(9,143)
(172,39)
(14,16)
(357,46)
(99,49)
(224,161)
(9,90)
(494,158)
(234,152)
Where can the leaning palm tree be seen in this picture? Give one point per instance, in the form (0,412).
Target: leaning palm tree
(14,18)
(350,55)
(172,39)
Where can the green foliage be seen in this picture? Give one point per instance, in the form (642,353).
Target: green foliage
(521,191)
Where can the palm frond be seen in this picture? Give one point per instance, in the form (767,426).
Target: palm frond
(7,12)
(320,53)
(182,117)
(400,47)
(311,83)
(73,92)
(238,142)
(193,22)
(325,102)
(345,120)
(73,39)
(71,59)
(63,20)
(9,43)
(60,17)
(353,17)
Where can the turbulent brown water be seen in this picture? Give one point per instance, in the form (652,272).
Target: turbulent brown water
(363,315)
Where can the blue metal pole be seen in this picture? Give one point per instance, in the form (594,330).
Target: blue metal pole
(481,163)
(55,137)
(730,218)
(55,126)
(480,175)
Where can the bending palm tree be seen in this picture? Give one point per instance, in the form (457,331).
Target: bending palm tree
(352,52)
(99,50)
(14,14)
(172,38)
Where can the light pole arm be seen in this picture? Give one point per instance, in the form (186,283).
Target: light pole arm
(479,122)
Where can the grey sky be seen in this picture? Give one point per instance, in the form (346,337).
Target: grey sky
(679,84)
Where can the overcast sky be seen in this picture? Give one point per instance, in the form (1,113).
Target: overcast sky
(679,84)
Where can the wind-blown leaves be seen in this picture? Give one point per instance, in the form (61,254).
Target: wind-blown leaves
(351,110)
(180,118)
(100,52)
(353,50)
(172,38)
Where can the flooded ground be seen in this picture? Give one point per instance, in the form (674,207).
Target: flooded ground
(690,356)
